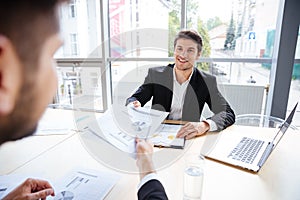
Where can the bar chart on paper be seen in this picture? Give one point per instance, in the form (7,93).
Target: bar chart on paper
(81,184)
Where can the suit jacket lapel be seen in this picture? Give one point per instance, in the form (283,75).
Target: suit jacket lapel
(169,85)
(162,98)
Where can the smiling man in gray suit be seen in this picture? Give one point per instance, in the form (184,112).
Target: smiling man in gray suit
(182,90)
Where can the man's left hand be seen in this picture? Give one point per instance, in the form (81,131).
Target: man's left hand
(193,129)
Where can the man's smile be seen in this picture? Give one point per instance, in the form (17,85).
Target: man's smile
(182,60)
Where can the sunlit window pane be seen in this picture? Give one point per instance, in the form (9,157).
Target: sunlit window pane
(239,26)
(79,79)
(80,29)
(141,28)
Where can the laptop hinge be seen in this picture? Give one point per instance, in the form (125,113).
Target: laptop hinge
(266,154)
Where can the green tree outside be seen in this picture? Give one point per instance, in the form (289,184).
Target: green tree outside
(230,36)
(213,23)
(206,49)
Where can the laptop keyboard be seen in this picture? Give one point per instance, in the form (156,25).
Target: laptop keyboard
(246,150)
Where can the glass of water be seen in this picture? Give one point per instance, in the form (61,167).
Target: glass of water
(193,177)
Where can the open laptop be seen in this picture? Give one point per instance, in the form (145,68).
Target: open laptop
(245,146)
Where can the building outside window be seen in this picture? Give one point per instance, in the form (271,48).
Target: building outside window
(72,9)
(74,44)
(146,29)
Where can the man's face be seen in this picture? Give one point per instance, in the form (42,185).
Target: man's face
(36,91)
(185,54)
(46,77)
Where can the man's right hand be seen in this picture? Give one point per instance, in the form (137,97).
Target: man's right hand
(136,104)
(144,162)
(31,189)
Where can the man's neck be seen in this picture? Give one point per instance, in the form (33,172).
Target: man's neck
(182,75)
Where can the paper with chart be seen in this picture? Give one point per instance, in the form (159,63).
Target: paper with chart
(53,123)
(140,121)
(81,184)
(121,127)
(10,182)
(78,184)
(107,130)
(165,136)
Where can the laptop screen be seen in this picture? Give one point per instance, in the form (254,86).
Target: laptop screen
(285,125)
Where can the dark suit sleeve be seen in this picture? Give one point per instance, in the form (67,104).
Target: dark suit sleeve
(224,115)
(152,189)
(144,92)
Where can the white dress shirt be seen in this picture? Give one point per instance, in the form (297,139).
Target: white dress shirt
(148,177)
(179,91)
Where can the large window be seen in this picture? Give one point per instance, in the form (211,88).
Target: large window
(79,59)
(139,28)
(231,29)
(236,29)
(238,40)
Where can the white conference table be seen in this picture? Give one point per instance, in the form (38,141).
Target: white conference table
(55,155)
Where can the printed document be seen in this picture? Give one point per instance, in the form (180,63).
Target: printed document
(121,126)
(78,184)
(165,136)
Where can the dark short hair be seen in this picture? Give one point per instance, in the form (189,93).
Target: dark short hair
(27,24)
(191,35)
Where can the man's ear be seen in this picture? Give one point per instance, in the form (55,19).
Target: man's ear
(10,76)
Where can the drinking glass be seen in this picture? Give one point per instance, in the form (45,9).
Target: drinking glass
(193,177)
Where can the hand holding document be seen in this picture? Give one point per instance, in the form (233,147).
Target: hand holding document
(107,129)
(161,135)
(120,126)
(78,184)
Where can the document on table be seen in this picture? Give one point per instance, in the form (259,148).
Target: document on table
(78,184)
(56,121)
(165,136)
(107,130)
(9,182)
(84,184)
(119,128)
